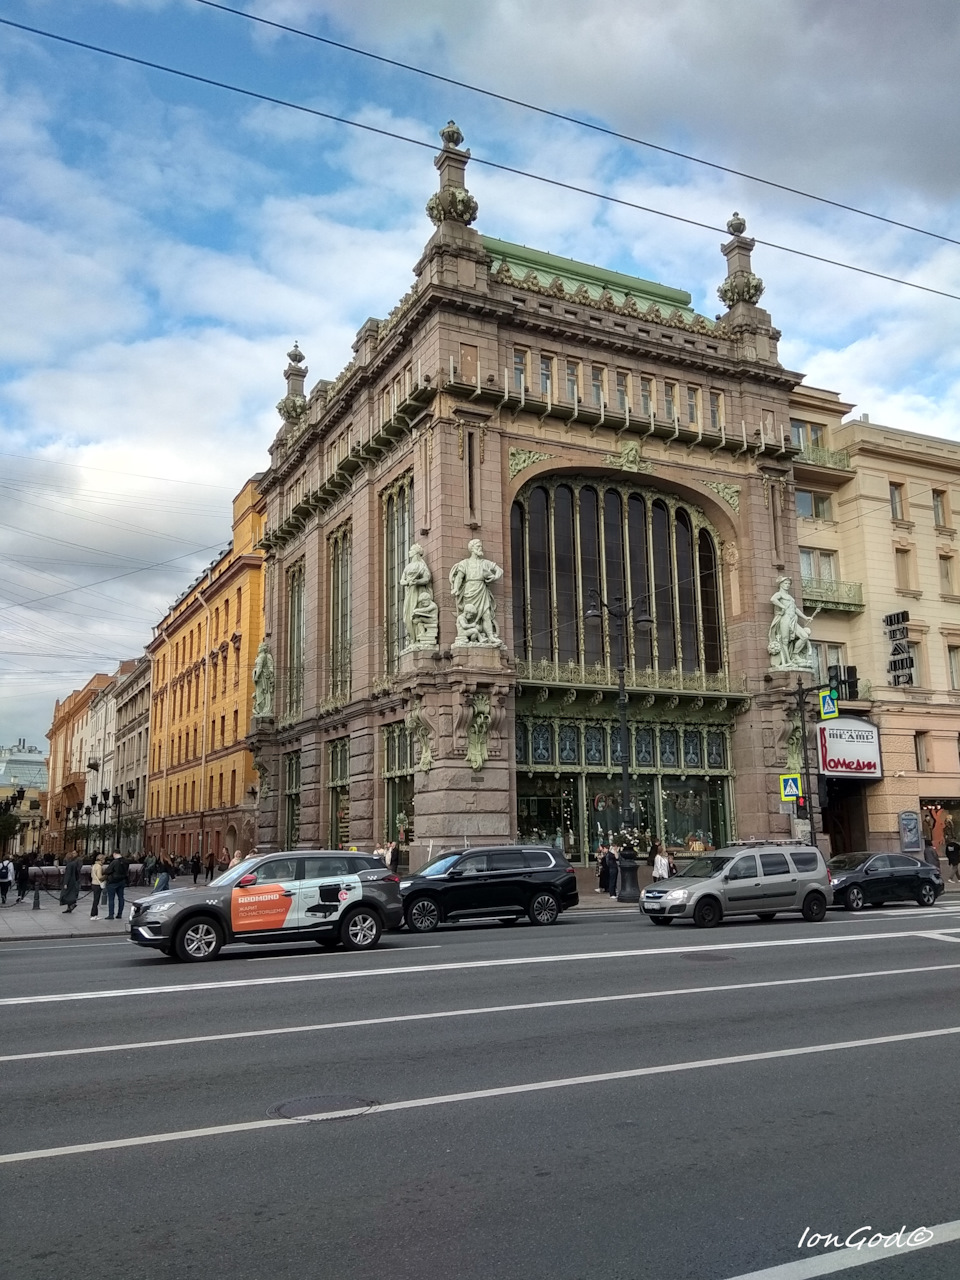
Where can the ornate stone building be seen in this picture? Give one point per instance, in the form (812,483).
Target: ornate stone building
(590,435)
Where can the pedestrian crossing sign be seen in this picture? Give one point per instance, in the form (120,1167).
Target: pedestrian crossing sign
(790,786)
(828,706)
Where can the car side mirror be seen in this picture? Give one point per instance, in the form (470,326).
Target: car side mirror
(246,881)
(455,873)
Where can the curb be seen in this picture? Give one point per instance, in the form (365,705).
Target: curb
(55,937)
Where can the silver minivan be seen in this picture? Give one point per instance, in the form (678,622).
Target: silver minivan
(760,879)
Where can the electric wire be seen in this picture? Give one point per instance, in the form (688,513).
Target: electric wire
(575,120)
(490,164)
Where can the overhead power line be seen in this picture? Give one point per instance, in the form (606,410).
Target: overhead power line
(575,120)
(490,164)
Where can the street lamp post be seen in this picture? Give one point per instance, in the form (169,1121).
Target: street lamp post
(102,810)
(621,614)
(86,832)
(118,806)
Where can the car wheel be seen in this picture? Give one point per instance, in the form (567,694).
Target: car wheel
(766,915)
(360,929)
(423,915)
(660,919)
(707,913)
(198,939)
(853,898)
(927,895)
(544,909)
(814,907)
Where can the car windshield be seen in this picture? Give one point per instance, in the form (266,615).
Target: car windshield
(703,868)
(847,861)
(233,874)
(440,866)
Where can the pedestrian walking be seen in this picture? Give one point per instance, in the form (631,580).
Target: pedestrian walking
(23,878)
(70,890)
(235,860)
(613,869)
(116,877)
(393,856)
(381,851)
(661,864)
(165,873)
(196,866)
(6,880)
(149,865)
(930,854)
(99,884)
(209,867)
(223,862)
(953,857)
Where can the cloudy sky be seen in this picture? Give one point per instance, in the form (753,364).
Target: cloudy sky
(163,242)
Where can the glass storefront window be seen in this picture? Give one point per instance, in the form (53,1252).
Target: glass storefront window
(694,813)
(548,812)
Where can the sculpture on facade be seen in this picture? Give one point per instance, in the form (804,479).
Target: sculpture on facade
(789,640)
(477,730)
(264,681)
(421,615)
(476,610)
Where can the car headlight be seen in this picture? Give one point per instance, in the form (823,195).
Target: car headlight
(159,909)
(405,884)
(838,880)
(678,895)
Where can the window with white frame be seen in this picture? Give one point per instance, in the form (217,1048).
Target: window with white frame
(693,406)
(623,390)
(573,381)
(817,564)
(941,514)
(546,376)
(670,401)
(953,663)
(519,369)
(716,410)
(597,384)
(647,397)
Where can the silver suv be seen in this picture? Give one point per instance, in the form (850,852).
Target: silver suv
(758,879)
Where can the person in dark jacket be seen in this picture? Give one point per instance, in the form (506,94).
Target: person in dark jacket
(70,890)
(116,878)
(953,857)
(196,866)
(613,869)
(23,878)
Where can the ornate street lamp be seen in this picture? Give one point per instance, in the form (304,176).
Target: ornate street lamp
(86,832)
(102,810)
(623,614)
(118,806)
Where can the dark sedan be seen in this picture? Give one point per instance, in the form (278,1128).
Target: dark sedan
(502,883)
(859,879)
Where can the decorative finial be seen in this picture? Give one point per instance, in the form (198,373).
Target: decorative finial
(451,135)
(736,225)
(296,356)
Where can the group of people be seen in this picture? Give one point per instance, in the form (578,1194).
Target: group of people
(390,854)
(608,864)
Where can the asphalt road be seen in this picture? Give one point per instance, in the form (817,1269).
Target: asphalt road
(601,1100)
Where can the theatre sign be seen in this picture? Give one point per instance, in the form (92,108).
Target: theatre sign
(849,748)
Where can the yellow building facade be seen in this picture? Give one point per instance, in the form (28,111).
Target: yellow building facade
(202,784)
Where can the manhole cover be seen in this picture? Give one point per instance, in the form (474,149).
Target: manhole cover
(318,1104)
(705,955)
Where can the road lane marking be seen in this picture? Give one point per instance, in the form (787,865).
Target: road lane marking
(463,1013)
(476,1095)
(843,1259)
(456,967)
(310,955)
(941,937)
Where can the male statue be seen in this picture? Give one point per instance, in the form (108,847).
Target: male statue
(476,609)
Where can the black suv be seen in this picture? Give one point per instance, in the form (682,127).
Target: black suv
(501,883)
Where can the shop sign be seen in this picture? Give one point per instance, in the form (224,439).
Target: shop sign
(901,664)
(849,748)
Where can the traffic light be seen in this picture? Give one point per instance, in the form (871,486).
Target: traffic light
(802,807)
(853,685)
(833,679)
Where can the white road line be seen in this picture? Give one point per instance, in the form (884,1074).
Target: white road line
(828,1264)
(310,955)
(941,937)
(464,1013)
(475,1095)
(502,963)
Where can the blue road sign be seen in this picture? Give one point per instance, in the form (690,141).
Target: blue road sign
(790,786)
(828,706)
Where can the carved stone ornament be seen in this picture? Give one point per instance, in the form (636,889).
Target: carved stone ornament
(730,493)
(296,356)
(628,459)
(264,681)
(451,135)
(470,581)
(421,615)
(788,641)
(292,408)
(417,724)
(520,459)
(452,204)
(477,730)
(263,773)
(741,286)
(736,225)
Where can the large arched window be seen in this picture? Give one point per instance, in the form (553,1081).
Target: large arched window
(570,539)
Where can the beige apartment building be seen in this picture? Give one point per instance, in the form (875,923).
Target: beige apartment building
(877,536)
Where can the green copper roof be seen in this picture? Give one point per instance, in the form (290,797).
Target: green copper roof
(547,268)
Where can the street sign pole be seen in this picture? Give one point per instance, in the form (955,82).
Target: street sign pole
(802,712)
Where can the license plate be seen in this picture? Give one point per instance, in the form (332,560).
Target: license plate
(650,906)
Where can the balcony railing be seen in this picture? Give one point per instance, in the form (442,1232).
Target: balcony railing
(839,459)
(828,593)
(600,674)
